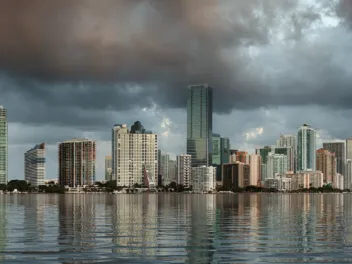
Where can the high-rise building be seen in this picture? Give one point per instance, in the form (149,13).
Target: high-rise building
(77,162)
(164,168)
(242,156)
(173,171)
(255,163)
(221,153)
(348,176)
(225,150)
(276,164)
(340,153)
(349,148)
(326,163)
(108,168)
(286,141)
(287,151)
(203,178)
(184,170)
(200,124)
(134,156)
(34,165)
(235,175)
(3,146)
(306,147)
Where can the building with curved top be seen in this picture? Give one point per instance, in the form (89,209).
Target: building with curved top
(34,165)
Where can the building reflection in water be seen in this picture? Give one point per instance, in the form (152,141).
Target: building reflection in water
(33,221)
(3,225)
(77,222)
(134,222)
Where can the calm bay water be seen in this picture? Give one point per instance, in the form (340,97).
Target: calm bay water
(176,228)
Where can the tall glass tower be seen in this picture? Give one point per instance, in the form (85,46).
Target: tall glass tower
(3,146)
(306,147)
(200,124)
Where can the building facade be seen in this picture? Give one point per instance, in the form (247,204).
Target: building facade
(164,168)
(306,148)
(77,159)
(276,164)
(306,180)
(348,175)
(203,178)
(108,168)
(255,163)
(326,163)
(349,148)
(184,170)
(200,124)
(173,171)
(242,156)
(34,165)
(134,155)
(340,153)
(289,141)
(3,146)
(235,175)
(287,151)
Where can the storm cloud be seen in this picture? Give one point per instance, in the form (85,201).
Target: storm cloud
(73,68)
(119,54)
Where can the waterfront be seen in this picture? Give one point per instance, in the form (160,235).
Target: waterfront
(176,228)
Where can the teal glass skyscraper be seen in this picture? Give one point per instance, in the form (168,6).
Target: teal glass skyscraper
(3,146)
(200,124)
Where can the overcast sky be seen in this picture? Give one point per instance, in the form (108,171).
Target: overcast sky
(75,68)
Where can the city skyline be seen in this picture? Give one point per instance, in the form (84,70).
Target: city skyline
(100,169)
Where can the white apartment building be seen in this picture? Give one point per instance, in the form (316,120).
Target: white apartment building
(255,163)
(184,170)
(34,165)
(203,178)
(134,154)
(3,146)
(275,164)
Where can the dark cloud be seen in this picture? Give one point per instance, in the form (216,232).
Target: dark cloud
(119,54)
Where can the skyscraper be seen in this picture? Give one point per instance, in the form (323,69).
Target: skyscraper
(306,148)
(3,146)
(255,163)
(349,148)
(77,162)
(164,168)
(326,163)
(108,168)
(34,165)
(134,156)
(340,153)
(289,141)
(200,124)
(348,176)
(276,164)
(184,170)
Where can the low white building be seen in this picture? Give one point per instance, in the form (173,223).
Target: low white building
(203,179)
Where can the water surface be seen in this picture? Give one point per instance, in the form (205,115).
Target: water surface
(176,228)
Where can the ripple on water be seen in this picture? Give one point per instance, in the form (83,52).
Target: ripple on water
(176,228)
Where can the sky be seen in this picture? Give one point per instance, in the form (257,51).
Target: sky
(75,68)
